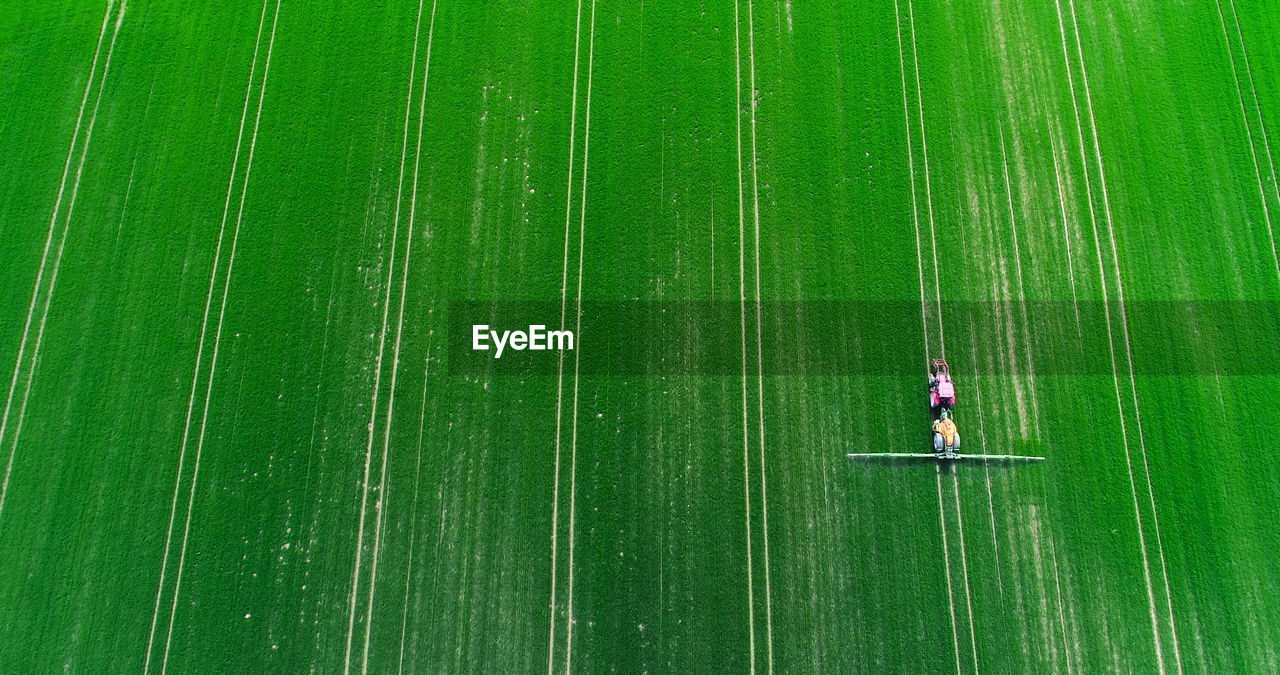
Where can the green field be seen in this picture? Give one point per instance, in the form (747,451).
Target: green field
(238,433)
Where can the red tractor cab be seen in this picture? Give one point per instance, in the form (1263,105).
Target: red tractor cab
(942,391)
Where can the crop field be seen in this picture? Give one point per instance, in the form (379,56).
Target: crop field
(243,246)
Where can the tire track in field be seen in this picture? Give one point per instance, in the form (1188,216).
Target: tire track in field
(564,301)
(964,565)
(577,330)
(996,268)
(1128,346)
(204,326)
(924,322)
(1022,292)
(380,510)
(1013,146)
(413,511)
(942,343)
(1124,324)
(1146,565)
(1015,299)
(742,295)
(1257,105)
(62,240)
(986,470)
(755,208)
(946,557)
(1244,117)
(743,299)
(928,183)
(377,378)
(1066,232)
(217,336)
(1062,618)
(1027,337)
